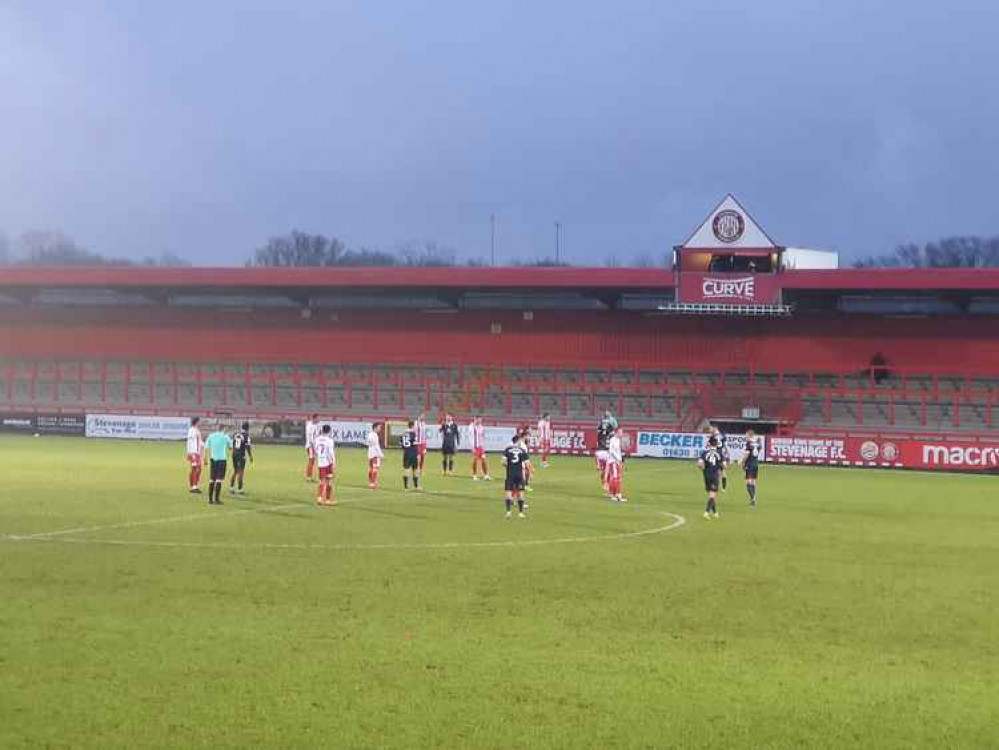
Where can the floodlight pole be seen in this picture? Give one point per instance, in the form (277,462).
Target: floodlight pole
(558,240)
(492,239)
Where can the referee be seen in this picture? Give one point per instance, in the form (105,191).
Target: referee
(217,449)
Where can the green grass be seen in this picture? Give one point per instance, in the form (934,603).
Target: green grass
(853,609)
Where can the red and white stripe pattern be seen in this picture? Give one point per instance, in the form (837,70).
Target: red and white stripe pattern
(478,433)
(544,431)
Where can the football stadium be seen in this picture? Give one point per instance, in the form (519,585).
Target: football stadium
(847,599)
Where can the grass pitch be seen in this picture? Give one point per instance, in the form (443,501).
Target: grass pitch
(853,608)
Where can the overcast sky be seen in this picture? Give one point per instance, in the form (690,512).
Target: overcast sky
(202,128)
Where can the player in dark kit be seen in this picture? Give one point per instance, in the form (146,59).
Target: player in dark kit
(751,465)
(723,449)
(515,459)
(449,444)
(410,456)
(605,429)
(241,450)
(711,464)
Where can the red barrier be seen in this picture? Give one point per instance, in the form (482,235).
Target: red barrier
(581,441)
(896,453)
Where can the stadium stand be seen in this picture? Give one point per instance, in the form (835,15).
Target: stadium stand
(671,398)
(869,350)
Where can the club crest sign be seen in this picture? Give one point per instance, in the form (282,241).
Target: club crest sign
(728,226)
(730,289)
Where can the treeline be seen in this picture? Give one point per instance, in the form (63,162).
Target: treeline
(953,252)
(56,249)
(302,249)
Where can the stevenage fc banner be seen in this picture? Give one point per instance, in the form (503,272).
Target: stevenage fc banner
(130,427)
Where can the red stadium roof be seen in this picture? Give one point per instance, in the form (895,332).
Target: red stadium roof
(893,279)
(619,279)
(370,278)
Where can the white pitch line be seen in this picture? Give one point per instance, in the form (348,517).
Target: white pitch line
(42,535)
(676,523)
(177,519)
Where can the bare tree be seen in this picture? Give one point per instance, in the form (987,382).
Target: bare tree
(367,257)
(299,249)
(543,261)
(166,259)
(952,252)
(427,253)
(47,248)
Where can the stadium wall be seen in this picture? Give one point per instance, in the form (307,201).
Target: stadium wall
(836,344)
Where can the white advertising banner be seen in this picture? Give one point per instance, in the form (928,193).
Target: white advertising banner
(497,438)
(348,433)
(128,427)
(689,445)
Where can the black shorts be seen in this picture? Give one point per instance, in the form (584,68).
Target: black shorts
(711,482)
(514,484)
(239,463)
(217,470)
(752,471)
(410,461)
(449,450)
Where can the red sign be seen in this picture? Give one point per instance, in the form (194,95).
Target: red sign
(730,288)
(906,453)
(581,441)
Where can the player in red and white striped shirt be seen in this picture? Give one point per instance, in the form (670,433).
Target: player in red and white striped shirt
(195,450)
(375,454)
(325,453)
(614,471)
(311,433)
(477,432)
(420,428)
(545,439)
